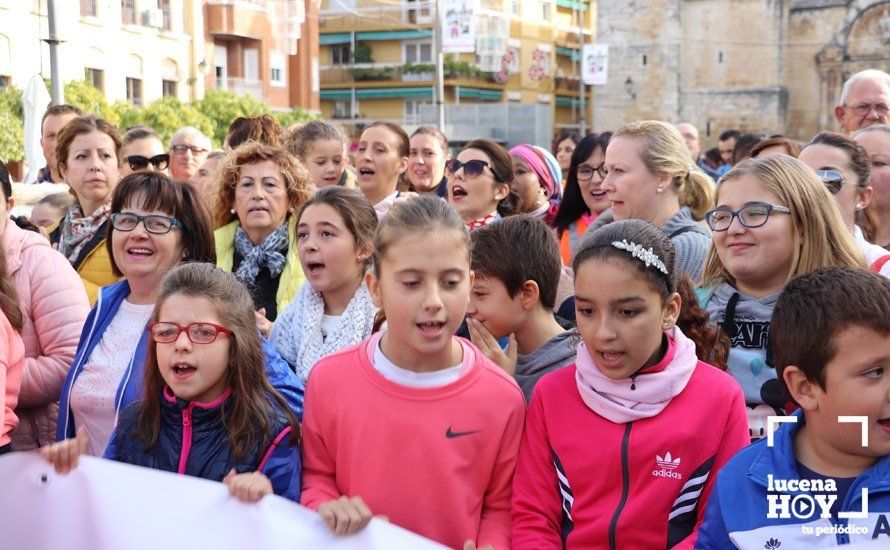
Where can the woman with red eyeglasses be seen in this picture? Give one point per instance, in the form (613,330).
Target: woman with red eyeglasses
(209,409)
(479,183)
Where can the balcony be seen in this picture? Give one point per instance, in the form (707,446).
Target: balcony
(566,83)
(373,18)
(242,86)
(375,72)
(241,19)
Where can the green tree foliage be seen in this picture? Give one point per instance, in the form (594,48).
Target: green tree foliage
(212,115)
(12,139)
(221,108)
(81,93)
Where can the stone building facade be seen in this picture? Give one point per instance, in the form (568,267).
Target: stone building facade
(769,66)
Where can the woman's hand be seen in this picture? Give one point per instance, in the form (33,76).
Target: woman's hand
(262,323)
(248,487)
(489,346)
(345,515)
(64,454)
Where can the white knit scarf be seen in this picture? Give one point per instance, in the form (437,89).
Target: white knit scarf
(297,332)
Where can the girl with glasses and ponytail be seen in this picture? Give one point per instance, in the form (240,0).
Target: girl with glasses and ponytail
(774,220)
(207,408)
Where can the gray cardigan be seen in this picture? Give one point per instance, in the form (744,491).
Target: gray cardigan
(690,239)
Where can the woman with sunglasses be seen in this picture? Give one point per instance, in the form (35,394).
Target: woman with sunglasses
(584,198)
(773,221)
(155,225)
(142,149)
(844,168)
(87,149)
(479,183)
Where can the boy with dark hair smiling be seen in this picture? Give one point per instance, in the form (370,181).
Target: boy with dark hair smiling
(517,266)
(831,345)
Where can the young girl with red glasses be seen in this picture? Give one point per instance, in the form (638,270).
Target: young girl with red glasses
(208,409)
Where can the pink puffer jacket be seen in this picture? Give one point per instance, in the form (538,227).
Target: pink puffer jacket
(55,306)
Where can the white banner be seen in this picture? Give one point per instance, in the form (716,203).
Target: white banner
(595,64)
(458,26)
(108,505)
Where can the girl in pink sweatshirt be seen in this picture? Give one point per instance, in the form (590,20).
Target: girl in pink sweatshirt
(621,449)
(12,354)
(414,423)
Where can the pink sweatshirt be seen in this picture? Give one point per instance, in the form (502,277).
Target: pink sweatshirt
(12,354)
(436,461)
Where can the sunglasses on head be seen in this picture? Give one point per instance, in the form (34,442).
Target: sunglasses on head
(832,179)
(138,162)
(472,168)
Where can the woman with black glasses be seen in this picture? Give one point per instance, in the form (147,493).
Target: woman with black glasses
(774,221)
(845,169)
(142,149)
(155,225)
(584,198)
(479,183)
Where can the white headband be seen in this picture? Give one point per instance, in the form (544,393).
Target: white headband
(645,255)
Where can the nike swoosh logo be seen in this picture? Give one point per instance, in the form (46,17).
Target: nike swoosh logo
(451,435)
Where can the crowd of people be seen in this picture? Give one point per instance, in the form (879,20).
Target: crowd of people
(490,347)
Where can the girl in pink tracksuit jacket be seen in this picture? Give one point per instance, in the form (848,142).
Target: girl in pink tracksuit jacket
(621,449)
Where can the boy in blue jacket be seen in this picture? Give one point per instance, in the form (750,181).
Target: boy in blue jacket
(823,478)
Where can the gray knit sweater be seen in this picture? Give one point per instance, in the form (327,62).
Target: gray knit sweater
(690,239)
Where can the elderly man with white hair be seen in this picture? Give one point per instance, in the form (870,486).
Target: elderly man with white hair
(865,100)
(188,150)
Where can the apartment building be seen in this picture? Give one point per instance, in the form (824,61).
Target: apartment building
(377,62)
(141,50)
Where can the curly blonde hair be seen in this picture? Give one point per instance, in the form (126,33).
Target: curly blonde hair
(295,176)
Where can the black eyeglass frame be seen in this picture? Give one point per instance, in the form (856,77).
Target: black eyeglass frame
(469,167)
(147,218)
(139,162)
(770,208)
(599,170)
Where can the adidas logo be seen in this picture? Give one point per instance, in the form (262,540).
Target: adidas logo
(667,462)
(667,465)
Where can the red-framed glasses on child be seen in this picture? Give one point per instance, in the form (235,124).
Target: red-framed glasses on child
(198,333)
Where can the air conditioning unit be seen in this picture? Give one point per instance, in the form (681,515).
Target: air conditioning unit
(153,17)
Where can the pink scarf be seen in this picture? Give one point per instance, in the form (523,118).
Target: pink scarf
(654,388)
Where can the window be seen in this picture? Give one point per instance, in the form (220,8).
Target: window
(340,54)
(418,52)
(517,7)
(88,8)
(128,12)
(251,64)
(545,10)
(277,62)
(164,6)
(342,108)
(96,77)
(134,91)
(168,88)
(412,110)
(4,81)
(418,11)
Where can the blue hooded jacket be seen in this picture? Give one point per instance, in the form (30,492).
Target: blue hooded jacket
(110,298)
(193,440)
(736,516)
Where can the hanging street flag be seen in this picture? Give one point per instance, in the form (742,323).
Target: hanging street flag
(458,26)
(595,64)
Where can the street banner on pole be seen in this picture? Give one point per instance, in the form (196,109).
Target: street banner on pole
(595,64)
(458,26)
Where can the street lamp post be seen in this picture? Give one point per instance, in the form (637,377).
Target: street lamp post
(58,92)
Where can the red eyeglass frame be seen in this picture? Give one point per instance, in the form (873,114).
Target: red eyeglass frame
(181,329)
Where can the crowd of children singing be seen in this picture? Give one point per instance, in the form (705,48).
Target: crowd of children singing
(476,348)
